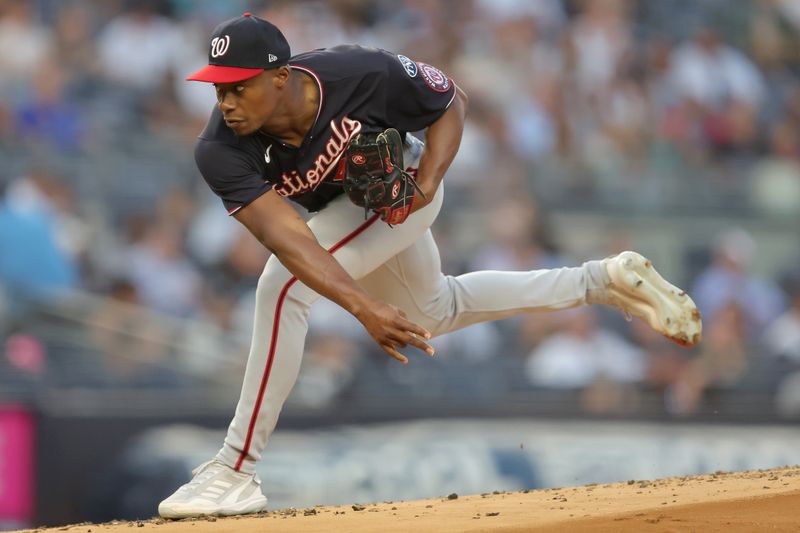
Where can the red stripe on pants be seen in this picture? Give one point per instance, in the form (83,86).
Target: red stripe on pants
(274,342)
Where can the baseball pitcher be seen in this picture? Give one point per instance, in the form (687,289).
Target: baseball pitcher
(328,129)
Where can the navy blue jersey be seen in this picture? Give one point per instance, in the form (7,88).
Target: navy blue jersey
(361,90)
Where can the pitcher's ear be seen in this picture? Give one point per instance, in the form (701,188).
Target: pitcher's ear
(281,76)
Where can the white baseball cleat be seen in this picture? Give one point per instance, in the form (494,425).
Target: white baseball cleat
(215,489)
(637,289)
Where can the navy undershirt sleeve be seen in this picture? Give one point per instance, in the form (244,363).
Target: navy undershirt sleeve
(230,173)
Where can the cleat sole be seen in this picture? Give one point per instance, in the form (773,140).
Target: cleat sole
(668,309)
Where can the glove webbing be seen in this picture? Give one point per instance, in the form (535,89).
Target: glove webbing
(383,147)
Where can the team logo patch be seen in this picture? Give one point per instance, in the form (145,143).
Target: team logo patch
(434,77)
(410,66)
(219,45)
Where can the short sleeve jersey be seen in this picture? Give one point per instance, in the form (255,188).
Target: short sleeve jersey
(360,90)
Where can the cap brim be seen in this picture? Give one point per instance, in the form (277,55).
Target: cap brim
(218,74)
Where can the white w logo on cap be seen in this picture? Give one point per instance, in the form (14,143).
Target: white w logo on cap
(219,45)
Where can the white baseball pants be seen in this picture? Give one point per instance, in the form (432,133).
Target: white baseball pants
(399,265)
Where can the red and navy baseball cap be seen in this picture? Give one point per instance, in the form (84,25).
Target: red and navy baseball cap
(241,48)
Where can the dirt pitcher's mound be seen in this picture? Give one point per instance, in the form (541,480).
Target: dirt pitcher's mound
(765,500)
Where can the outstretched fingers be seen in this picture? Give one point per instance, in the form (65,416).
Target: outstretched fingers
(417,342)
(401,338)
(392,351)
(392,331)
(410,333)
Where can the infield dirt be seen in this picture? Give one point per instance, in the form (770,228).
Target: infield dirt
(754,501)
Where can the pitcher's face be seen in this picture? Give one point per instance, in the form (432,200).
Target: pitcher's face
(246,105)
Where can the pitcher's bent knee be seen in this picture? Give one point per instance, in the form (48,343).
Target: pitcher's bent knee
(273,279)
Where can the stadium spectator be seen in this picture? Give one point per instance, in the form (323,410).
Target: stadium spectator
(163,275)
(24,45)
(665,362)
(46,115)
(782,337)
(134,346)
(581,352)
(138,41)
(722,86)
(721,363)
(727,280)
(600,40)
(35,256)
(775,179)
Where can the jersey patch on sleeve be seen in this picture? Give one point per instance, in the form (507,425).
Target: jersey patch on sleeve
(408,65)
(435,78)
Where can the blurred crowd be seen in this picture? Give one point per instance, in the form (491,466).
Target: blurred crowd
(119,268)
